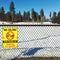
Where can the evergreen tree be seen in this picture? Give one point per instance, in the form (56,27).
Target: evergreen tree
(58,17)
(50,16)
(59,14)
(42,15)
(18,17)
(38,17)
(12,6)
(24,16)
(28,16)
(54,14)
(2,14)
(8,17)
(12,11)
(54,18)
(34,15)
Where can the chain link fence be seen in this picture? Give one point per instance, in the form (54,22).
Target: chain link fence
(33,41)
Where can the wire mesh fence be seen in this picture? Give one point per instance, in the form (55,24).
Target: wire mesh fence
(32,41)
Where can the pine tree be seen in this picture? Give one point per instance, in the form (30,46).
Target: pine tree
(54,18)
(2,14)
(58,17)
(42,15)
(50,15)
(12,6)
(28,16)
(24,16)
(34,16)
(37,16)
(12,11)
(18,17)
(8,17)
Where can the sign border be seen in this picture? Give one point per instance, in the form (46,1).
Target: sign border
(2,37)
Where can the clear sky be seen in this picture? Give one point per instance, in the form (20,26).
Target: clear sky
(47,5)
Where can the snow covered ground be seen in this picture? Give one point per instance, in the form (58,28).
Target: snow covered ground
(27,23)
(41,41)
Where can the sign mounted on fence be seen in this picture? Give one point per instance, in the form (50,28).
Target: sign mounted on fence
(10,37)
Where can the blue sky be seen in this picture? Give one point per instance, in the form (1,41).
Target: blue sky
(47,5)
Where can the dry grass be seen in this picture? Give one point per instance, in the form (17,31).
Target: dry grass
(40,58)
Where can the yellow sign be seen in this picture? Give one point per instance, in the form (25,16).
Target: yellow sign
(10,37)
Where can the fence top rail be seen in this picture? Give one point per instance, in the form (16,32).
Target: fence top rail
(31,25)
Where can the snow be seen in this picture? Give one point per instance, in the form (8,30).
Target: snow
(43,40)
(48,52)
(26,23)
(9,53)
(33,23)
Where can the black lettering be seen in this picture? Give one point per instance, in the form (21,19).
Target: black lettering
(5,29)
(13,41)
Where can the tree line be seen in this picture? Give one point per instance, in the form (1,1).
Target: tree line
(12,16)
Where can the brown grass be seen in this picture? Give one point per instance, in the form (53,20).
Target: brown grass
(40,58)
